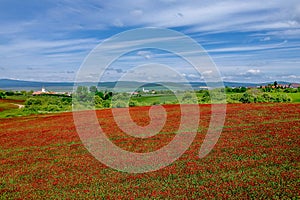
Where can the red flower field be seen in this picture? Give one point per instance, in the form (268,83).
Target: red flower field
(256,157)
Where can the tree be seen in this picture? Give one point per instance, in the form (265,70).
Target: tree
(119,104)
(132,103)
(9,93)
(98,102)
(205,98)
(82,94)
(100,94)
(228,89)
(108,95)
(243,89)
(33,104)
(93,89)
(2,94)
(33,101)
(266,97)
(246,98)
(189,98)
(275,84)
(106,104)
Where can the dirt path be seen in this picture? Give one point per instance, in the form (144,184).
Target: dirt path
(19,105)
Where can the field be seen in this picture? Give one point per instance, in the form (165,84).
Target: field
(11,107)
(295,97)
(257,157)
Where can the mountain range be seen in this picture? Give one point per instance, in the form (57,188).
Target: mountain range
(19,85)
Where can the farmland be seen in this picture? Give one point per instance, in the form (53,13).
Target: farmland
(257,156)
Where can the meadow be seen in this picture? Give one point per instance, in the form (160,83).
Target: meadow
(256,157)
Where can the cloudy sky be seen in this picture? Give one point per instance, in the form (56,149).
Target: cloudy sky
(249,41)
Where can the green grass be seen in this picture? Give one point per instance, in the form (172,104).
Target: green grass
(7,106)
(10,108)
(13,113)
(17,97)
(156,99)
(295,97)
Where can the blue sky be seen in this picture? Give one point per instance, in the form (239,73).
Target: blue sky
(250,41)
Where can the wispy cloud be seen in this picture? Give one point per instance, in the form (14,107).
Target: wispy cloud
(51,35)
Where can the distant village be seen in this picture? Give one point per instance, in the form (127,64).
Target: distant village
(281,86)
(46,92)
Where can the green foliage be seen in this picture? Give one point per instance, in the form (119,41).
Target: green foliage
(9,93)
(236,90)
(106,104)
(133,103)
(33,101)
(217,95)
(82,94)
(246,98)
(203,96)
(243,89)
(119,104)
(52,108)
(233,98)
(90,98)
(189,98)
(156,103)
(47,104)
(93,89)
(107,95)
(2,94)
(120,100)
(100,94)
(228,89)
(98,102)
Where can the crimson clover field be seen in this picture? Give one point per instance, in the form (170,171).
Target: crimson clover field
(257,156)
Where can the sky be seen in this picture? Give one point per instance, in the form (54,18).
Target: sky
(249,41)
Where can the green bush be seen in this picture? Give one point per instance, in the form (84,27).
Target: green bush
(133,103)
(33,101)
(53,108)
(119,104)
(106,104)
(246,98)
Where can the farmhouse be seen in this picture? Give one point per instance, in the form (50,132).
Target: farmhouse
(43,91)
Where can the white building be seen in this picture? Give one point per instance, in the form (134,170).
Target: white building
(145,90)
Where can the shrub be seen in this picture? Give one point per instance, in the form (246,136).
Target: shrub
(32,102)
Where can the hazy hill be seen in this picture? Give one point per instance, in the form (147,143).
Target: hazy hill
(9,84)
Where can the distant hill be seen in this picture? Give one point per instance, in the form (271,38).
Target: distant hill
(9,84)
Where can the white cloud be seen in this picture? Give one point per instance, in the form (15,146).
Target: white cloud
(251,48)
(204,15)
(145,54)
(207,72)
(49,38)
(265,38)
(290,77)
(136,12)
(253,71)
(118,23)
